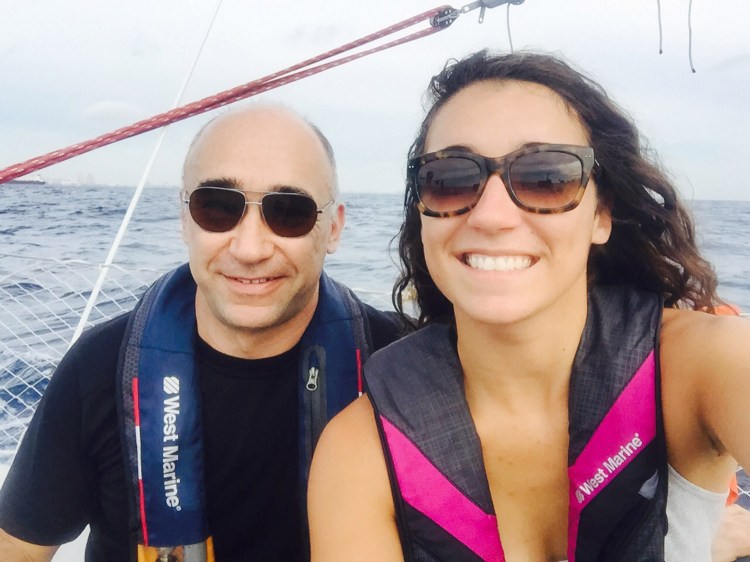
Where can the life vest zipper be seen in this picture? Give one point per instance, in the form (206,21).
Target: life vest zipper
(314,397)
(312,379)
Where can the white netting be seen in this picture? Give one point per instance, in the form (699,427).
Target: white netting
(40,305)
(743,487)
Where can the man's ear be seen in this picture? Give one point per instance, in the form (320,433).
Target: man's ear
(337,227)
(184,216)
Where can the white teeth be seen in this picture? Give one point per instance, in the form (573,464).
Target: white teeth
(497,263)
(252,281)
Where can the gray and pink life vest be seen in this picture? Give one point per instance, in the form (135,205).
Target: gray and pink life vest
(617,462)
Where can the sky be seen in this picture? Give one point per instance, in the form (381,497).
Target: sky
(72,71)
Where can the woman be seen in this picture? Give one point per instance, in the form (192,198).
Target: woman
(562,375)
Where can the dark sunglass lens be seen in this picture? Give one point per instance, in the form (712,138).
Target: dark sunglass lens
(448,184)
(546,180)
(289,214)
(216,210)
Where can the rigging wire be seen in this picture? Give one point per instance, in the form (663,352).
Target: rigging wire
(507,22)
(690,35)
(137,195)
(661,34)
(690,32)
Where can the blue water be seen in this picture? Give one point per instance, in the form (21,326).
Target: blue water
(66,222)
(80,223)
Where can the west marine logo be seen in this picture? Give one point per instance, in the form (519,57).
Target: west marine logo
(171,385)
(609,467)
(171,449)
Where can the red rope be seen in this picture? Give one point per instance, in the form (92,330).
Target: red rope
(286,76)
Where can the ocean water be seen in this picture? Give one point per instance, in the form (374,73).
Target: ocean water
(80,222)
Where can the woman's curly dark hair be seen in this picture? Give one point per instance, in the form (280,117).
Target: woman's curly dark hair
(652,245)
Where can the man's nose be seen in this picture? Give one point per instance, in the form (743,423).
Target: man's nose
(252,240)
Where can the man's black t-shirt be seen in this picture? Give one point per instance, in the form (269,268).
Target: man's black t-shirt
(69,470)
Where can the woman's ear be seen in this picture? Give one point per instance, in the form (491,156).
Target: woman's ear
(602,224)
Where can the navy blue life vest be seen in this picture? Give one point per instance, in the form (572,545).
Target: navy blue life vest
(160,411)
(617,463)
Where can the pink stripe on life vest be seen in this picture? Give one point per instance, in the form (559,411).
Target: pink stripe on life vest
(624,432)
(141,496)
(425,488)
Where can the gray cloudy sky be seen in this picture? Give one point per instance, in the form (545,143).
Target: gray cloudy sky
(74,70)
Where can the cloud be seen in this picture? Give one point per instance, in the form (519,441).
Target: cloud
(319,35)
(733,64)
(112,111)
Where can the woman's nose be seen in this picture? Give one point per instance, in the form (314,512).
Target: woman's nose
(495,209)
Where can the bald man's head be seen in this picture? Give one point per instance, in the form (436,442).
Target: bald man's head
(261,120)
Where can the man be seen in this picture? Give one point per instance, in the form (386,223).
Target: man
(190,422)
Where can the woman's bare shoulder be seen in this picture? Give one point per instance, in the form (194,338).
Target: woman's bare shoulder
(353,426)
(349,498)
(699,336)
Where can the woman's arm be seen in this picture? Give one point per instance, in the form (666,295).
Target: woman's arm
(350,506)
(724,395)
(706,382)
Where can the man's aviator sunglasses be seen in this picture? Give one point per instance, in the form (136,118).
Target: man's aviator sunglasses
(539,178)
(220,209)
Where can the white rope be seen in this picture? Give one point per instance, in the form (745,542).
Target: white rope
(507,23)
(661,34)
(137,195)
(690,35)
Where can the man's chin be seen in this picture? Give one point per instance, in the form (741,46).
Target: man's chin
(252,321)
